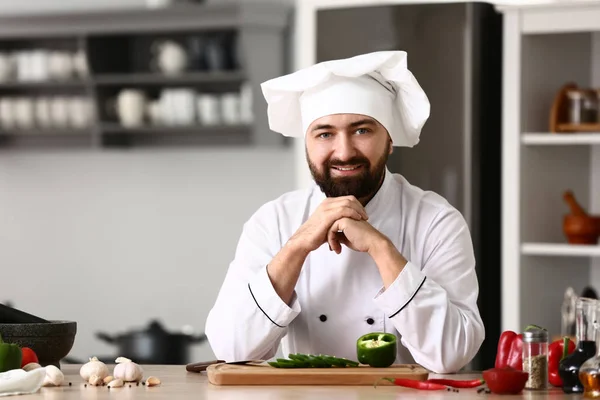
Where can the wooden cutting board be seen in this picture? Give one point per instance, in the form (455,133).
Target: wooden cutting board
(264,374)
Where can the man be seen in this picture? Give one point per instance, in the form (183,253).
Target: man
(360,251)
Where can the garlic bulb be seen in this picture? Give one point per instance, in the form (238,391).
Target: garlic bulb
(127,370)
(93,367)
(54,376)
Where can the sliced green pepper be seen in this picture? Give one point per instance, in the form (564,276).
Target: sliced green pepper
(377,349)
(312,361)
(10,356)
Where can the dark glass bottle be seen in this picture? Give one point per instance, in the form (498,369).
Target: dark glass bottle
(586,345)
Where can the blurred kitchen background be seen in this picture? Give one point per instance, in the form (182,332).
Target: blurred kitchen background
(134,145)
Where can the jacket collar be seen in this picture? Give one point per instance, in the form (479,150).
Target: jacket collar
(378,200)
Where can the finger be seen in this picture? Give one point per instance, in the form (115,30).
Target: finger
(332,239)
(347,213)
(331,200)
(343,240)
(334,244)
(347,201)
(338,213)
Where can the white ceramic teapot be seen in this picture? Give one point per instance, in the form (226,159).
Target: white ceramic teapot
(169,57)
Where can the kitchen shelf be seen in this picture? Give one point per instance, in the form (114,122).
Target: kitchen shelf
(229,48)
(560,249)
(115,128)
(154,79)
(46,132)
(115,135)
(18,85)
(548,138)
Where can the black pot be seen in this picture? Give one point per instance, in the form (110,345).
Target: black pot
(154,345)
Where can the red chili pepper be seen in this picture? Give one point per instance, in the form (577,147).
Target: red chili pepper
(415,384)
(558,350)
(458,383)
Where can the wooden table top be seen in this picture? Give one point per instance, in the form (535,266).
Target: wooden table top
(177,383)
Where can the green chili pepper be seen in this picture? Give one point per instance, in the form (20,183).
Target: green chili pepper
(10,356)
(377,349)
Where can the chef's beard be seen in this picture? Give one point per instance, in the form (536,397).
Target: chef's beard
(361,186)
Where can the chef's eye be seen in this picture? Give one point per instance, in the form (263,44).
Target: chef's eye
(361,131)
(324,135)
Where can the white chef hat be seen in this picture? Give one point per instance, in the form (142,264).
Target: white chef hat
(378,85)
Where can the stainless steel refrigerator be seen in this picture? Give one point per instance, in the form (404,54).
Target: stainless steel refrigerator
(455,52)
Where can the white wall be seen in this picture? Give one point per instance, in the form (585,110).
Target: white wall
(111,240)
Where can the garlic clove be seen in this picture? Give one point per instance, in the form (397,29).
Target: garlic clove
(115,383)
(108,379)
(152,381)
(54,376)
(31,366)
(95,380)
(120,360)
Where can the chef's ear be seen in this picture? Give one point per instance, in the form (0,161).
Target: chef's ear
(391,146)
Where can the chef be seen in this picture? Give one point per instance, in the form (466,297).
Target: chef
(361,250)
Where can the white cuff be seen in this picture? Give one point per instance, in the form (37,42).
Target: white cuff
(401,292)
(268,301)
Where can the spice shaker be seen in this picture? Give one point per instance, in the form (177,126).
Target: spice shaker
(575,98)
(535,358)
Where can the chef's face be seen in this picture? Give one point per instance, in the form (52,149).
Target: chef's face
(347,154)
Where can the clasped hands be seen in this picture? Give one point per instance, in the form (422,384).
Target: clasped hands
(339,220)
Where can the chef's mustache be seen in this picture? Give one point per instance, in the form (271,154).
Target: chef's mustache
(351,161)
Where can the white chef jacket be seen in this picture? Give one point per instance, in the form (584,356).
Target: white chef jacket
(431,307)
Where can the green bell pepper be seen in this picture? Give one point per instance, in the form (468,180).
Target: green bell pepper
(377,349)
(10,356)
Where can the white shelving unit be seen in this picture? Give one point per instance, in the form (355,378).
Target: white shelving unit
(559,249)
(545,46)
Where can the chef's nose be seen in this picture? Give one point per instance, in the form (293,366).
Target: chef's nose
(344,147)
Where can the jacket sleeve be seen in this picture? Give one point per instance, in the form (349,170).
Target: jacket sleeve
(249,319)
(434,306)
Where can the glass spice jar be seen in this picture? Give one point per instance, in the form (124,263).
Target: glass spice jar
(535,358)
